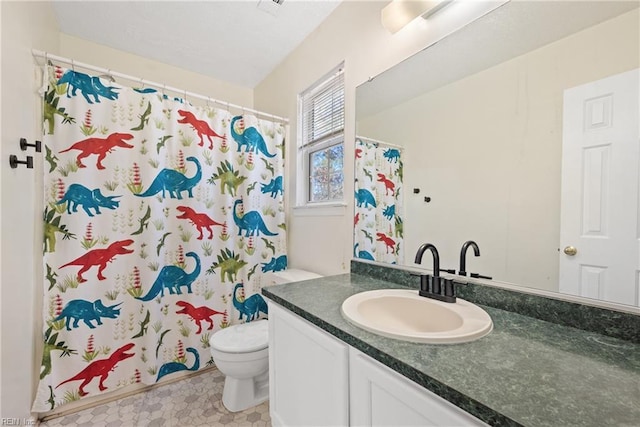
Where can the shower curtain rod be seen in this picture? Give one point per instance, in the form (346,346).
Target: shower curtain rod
(377,141)
(73,63)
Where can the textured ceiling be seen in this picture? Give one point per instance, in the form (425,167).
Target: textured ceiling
(237,41)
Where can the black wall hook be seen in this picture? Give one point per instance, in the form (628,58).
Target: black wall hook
(24,144)
(14,162)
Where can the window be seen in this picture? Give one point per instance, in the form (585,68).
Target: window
(321,143)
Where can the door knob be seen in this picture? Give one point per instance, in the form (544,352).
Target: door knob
(570,250)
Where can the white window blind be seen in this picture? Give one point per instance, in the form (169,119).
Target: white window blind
(323,109)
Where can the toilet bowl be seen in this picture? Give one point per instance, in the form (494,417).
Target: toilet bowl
(241,353)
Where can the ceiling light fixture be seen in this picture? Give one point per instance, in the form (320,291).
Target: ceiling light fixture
(399,13)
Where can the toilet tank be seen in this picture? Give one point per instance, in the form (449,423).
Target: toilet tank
(289,275)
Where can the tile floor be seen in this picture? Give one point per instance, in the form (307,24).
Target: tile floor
(196,401)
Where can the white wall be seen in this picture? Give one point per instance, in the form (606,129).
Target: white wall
(148,69)
(494,168)
(321,240)
(25,25)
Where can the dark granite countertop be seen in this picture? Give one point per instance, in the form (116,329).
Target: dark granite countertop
(525,372)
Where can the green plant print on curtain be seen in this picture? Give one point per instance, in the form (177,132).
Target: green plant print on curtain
(161,219)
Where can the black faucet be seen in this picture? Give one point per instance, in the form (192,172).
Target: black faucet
(463,255)
(435,287)
(436,257)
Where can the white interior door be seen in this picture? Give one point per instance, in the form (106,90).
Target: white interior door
(599,208)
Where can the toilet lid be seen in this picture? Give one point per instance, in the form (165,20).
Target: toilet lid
(243,338)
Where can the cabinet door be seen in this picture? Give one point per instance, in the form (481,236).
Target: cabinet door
(308,373)
(380,396)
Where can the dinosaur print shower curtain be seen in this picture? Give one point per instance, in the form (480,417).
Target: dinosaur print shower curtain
(378,204)
(161,220)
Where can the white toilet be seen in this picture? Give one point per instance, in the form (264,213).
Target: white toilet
(241,353)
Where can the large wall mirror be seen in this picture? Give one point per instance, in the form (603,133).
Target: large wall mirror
(520,132)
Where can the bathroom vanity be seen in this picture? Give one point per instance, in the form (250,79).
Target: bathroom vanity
(318,379)
(527,371)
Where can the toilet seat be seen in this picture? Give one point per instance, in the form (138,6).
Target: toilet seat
(242,338)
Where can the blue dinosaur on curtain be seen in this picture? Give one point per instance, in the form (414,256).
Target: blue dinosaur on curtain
(161,219)
(378,233)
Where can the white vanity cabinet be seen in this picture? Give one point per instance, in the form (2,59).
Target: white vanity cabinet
(308,373)
(379,396)
(316,379)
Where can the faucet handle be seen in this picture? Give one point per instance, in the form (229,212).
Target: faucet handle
(424,281)
(449,288)
(450,270)
(480,276)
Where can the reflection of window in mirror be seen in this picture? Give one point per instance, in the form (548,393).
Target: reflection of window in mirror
(321,141)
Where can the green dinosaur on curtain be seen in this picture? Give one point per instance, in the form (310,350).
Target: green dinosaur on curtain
(228,177)
(51,109)
(51,227)
(229,264)
(51,343)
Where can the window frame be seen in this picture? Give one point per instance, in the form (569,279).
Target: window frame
(306,147)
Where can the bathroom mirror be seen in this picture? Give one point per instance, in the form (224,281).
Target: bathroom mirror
(489,123)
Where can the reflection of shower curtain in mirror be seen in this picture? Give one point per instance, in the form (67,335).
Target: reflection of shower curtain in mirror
(378,207)
(161,219)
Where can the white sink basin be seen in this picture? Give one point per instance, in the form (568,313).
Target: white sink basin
(405,315)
